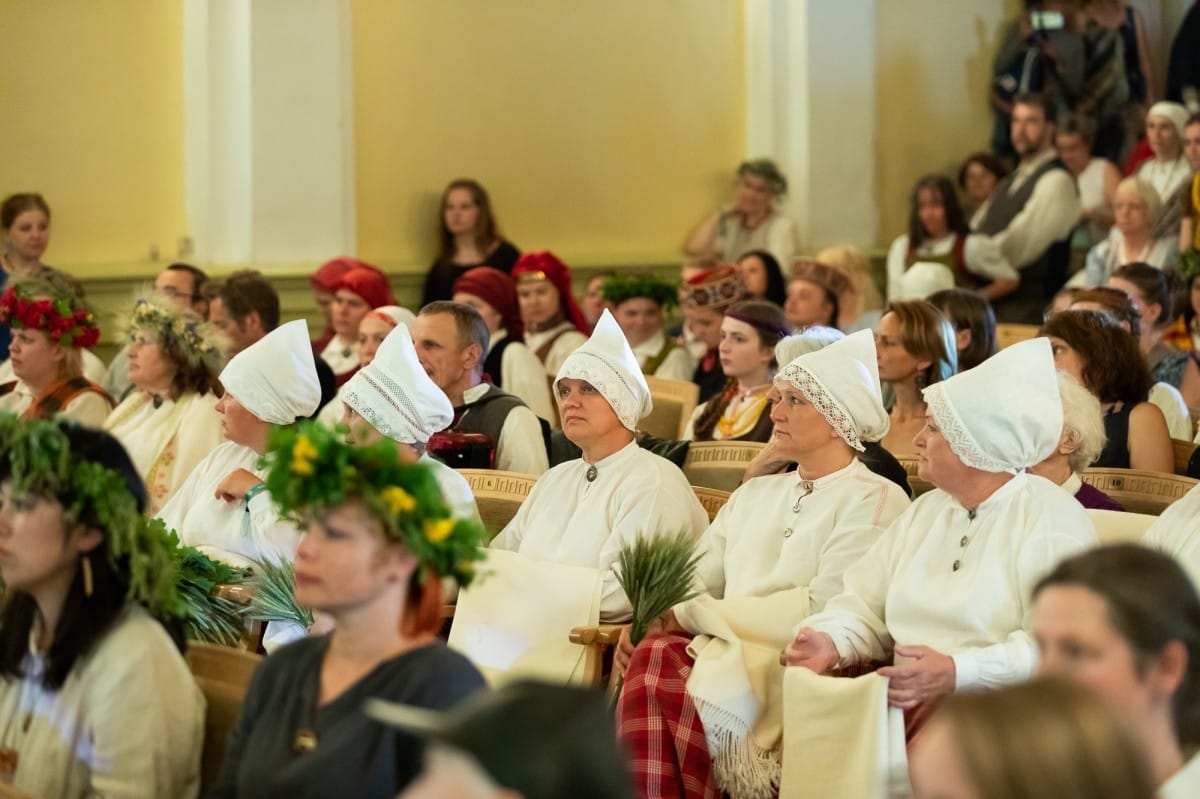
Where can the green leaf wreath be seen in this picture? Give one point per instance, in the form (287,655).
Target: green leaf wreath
(619,288)
(311,469)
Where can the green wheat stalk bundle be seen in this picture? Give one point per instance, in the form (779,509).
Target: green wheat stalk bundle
(275,595)
(207,617)
(656,573)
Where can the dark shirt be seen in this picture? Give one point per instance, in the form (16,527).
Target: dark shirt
(354,756)
(1115,454)
(439,283)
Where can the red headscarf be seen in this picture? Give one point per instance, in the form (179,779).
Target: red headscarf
(369,283)
(497,290)
(326,278)
(554,270)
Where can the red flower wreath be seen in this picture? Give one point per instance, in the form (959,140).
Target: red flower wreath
(71,327)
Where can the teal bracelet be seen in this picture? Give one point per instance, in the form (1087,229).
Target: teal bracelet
(253,492)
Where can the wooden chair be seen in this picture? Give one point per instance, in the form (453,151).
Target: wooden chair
(1139,491)
(1116,527)
(223,674)
(1184,451)
(674,401)
(1009,333)
(712,499)
(719,464)
(918,484)
(599,641)
(243,594)
(498,494)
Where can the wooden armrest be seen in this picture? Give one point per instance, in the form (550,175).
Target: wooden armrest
(241,594)
(600,635)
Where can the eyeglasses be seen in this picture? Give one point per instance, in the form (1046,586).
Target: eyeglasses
(172,293)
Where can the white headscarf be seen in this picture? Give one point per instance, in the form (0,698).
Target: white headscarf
(275,378)
(606,361)
(1175,112)
(842,381)
(922,279)
(394,394)
(394,314)
(1004,415)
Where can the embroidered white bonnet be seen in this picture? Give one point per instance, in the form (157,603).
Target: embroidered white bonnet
(606,361)
(275,378)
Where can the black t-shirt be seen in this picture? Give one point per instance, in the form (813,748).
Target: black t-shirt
(439,283)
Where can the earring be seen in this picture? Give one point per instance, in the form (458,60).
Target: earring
(85,565)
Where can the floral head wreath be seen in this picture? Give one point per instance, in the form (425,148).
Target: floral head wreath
(313,469)
(184,334)
(41,463)
(60,314)
(619,288)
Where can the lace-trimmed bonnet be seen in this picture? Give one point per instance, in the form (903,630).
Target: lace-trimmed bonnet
(606,361)
(275,378)
(809,340)
(1004,415)
(394,394)
(842,381)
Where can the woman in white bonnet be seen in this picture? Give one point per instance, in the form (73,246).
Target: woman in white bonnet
(1168,169)
(944,595)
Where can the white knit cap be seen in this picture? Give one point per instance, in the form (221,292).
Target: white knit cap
(922,279)
(842,381)
(1175,112)
(275,378)
(809,340)
(395,395)
(606,361)
(1004,415)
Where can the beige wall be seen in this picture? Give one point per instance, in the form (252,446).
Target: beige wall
(934,61)
(602,130)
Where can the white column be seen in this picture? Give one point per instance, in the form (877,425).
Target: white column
(269,138)
(810,105)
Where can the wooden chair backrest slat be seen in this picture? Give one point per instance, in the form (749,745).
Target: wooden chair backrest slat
(719,464)
(498,494)
(1139,491)
(223,674)
(674,401)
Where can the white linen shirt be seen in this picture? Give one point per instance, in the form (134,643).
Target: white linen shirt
(981,256)
(568,520)
(563,346)
(1049,216)
(1177,533)
(1183,784)
(678,365)
(763,541)
(87,408)
(959,581)
(521,447)
(523,376)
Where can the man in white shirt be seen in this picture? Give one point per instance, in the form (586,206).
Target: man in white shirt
(450,339)
(1032,212)
(581,512)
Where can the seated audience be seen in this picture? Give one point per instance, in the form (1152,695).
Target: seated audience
(638,302)
(752,220)
(1187,198)
(501,432)
(378,540)
(1168,169)
(525,740)
(51,326)
(1092,348)
(469,237)
(507,363)
(554,324)
(224,508)
(582,512)
(1153,293)
(392,397)
(830,512)
(980,540)
(1124,622)
(974,325)
(1136,208)
(705,298)
(244,309)
(1032,212)
(978,177)
(95,697)
(167,422)
(355,293)
(814,295)
(916,347)
(742,411)
(592,303)
(859,304)
(762,276)
(938,232)
(1044,738)
(1095,177)
(376,326)
(1080,445)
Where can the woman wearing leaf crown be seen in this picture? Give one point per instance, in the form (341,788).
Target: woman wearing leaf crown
(95,698)
(378,540)
(775,553)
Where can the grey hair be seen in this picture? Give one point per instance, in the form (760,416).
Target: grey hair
(1083,421)
(1146,193)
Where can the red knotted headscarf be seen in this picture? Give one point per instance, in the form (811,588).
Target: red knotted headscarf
(497,290)
(327,276)
(546,266)
(370,284)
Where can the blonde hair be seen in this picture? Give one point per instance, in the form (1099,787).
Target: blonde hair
(855,263)
(1048,737)
(1083,418)
(1145,192)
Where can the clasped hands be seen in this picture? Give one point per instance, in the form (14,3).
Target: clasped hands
(923,673)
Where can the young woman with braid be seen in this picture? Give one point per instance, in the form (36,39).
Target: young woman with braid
(749,333)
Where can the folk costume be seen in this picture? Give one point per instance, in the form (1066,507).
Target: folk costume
(715,290)
(658,355)
(373,287)
(391,315)
(565,332)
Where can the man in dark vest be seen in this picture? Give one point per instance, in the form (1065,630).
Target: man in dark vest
(491,427)
(1032,212)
